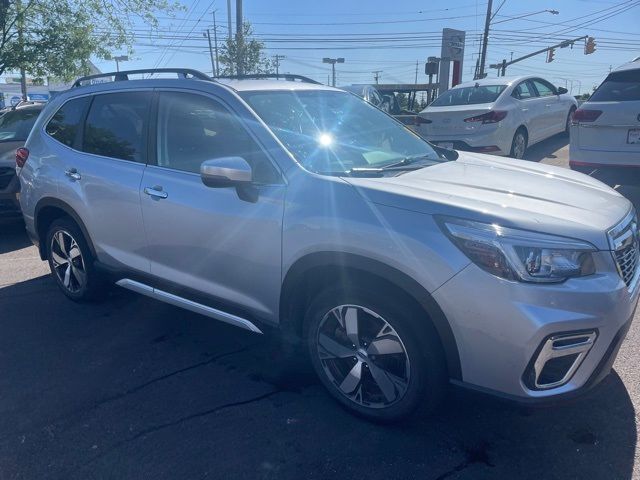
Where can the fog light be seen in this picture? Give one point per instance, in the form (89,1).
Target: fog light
(557,359)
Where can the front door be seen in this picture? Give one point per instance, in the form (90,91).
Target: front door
(210,240)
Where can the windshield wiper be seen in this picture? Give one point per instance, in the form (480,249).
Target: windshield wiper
(407,163)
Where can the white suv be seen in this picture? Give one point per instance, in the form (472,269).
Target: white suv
(292,205)
(605,132)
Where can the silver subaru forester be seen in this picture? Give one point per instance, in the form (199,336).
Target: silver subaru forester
(281,202)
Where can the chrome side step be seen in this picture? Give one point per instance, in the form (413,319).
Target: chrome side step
(172,299)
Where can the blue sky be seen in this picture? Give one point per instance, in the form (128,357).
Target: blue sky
(374,35)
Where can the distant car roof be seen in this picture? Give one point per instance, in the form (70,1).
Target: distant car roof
(357,89)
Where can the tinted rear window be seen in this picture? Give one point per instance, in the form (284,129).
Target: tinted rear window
(116,125)
(619,87)
(469,95)
(64,125)
(15,125)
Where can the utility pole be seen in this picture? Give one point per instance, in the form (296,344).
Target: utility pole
(485,40)
(416,82)
(333,62)
(239,42)
(229,20)
(213,63)
(376,75)
(276,61)
(215,42)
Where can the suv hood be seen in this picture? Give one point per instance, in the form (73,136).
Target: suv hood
(509,192)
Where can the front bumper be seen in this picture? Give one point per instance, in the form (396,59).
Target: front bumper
(501,325)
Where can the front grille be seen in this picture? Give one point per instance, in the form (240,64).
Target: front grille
(6,174)
(624,243)
(627,260)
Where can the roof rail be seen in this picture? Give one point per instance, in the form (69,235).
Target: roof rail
(124,75)
(261,76)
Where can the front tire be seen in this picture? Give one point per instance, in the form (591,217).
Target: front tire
(71,261)
(369,354)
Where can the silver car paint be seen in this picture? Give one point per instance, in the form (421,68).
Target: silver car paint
(221,246)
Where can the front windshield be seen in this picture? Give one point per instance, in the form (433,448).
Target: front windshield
(15,125)
(469,95)
(331,132)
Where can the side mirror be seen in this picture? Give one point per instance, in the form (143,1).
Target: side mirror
(562,90)
(226,172)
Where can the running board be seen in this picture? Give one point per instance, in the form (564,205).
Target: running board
(177,301)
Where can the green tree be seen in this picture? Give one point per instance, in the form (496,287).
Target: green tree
(253,59)
(57,37)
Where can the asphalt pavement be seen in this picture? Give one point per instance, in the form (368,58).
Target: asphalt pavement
(133,388)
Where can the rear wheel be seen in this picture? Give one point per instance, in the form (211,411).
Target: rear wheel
(567,127)
(519,144)
(368,354)
(71,261)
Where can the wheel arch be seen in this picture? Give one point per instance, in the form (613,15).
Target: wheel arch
(315,269)
(49,209)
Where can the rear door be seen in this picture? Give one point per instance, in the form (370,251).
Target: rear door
(532,109)
(554,114)
(615,124)
(101,178)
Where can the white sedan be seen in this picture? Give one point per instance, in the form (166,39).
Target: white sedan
(501,116)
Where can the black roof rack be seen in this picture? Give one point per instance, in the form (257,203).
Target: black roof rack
(124,75)
(261,76)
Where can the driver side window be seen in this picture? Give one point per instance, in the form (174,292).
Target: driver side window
(193,128)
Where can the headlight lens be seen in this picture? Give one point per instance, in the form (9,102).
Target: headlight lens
(521,255)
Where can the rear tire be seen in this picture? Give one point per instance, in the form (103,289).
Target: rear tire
(370,354)
(519,144)
(71,261)
(567,127)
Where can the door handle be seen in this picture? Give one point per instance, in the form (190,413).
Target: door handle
(155,191)
(524,109)
(73,174)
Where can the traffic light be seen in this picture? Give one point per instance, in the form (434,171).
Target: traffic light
(590,46)
(551,53)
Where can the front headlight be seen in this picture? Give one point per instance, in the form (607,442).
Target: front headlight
(518,254)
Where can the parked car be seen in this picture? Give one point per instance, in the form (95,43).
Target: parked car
(501,116)
(15,125)
(401,266)
(371,95)
(605,132)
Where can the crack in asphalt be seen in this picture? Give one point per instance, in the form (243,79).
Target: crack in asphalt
(137,388)
(179,421)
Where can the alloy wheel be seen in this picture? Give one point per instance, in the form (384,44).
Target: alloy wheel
(363,356)
(68,262)
(519,145)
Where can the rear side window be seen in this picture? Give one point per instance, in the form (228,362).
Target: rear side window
(523,91)
(64,125)
(116,125)
(619,87)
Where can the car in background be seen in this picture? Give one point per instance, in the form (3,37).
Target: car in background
(371,95)
(501,116)
(15,126)
(605,131)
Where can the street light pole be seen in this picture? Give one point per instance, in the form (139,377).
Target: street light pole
(333,62)
(276,61)
(120,58)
